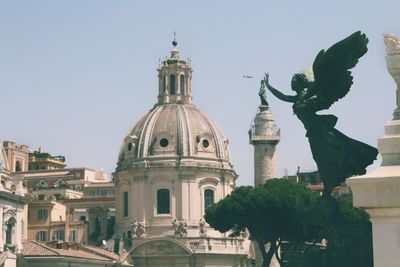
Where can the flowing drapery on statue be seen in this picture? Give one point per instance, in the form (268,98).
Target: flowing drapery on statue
(337,155)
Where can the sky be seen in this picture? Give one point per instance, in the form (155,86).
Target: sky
(76,75)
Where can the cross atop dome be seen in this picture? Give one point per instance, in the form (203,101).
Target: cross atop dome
(174,42)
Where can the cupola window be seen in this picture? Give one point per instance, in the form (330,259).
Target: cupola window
(205,143)
(172,84)
(163,203)
(164,142)
(182,84)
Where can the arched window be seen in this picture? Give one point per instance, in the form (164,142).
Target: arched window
(163,201)
(172,85)
(182,84)
(18,166)
(208,198)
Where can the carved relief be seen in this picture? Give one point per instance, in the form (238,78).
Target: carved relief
(159,248)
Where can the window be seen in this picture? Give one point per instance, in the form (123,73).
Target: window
(73,236)
(182,84)
(125,204)
(41,236)
(163,201)
(18,166)
(205,143)
(172,87)
(164,142)
(9,230)
(208,198)
(58,235)
(22,228)
(103,192)
(42,214)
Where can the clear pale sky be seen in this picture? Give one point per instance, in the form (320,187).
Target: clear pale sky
(76,75)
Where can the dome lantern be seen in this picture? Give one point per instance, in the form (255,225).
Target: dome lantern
(175,79)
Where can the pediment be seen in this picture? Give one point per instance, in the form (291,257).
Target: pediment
(160,247)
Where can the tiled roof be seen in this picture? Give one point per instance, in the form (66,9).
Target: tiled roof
(100,251)
(35,249)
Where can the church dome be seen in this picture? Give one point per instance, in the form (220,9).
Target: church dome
(175,135)
(173,163)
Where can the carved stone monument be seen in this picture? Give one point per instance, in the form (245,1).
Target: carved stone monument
(378,192)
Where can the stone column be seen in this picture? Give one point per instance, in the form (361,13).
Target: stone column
(378,192)
(264,137)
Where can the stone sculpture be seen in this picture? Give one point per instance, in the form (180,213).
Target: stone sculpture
(337,156)
(202,229)
(180,227)
(138,228)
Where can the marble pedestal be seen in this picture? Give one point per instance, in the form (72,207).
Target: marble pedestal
(378,192)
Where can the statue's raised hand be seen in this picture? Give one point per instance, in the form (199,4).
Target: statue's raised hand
(265,81)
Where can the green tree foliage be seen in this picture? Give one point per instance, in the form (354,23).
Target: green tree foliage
(272,212)
(351,245)
(348,232)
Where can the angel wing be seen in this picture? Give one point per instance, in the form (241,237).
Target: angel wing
(332,69)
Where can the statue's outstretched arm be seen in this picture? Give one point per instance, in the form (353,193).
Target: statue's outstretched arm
(277,93)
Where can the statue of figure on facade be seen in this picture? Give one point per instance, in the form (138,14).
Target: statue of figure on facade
(138,228)
(337,156)
(180,227)
(202,229)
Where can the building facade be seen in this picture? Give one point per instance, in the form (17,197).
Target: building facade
(67,204)
(13,225)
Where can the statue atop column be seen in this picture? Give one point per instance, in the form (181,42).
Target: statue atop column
(263,95)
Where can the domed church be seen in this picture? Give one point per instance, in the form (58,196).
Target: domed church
(173,164)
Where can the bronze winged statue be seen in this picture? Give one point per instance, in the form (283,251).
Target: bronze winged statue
(337,155)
